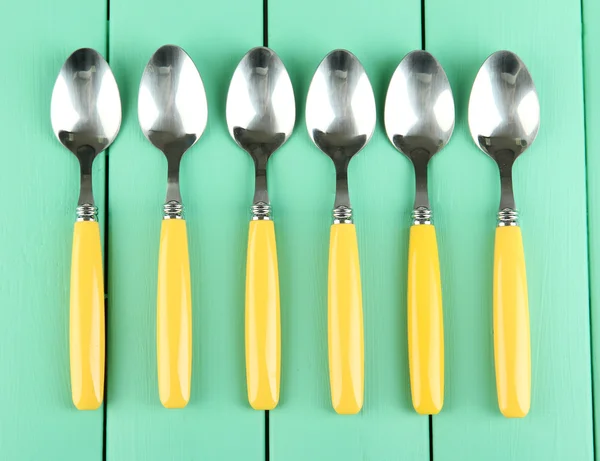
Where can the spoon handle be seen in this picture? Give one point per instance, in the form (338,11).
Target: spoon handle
(512,349)
(86,326)
(174,315)
(345,321)
(425,321)
(263,331)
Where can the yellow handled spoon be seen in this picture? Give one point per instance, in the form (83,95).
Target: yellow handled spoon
(504,118)
(172,112)
(86,116)
(419,120)
(260,115)
(340,117)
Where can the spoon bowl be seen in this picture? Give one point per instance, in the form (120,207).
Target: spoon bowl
(172,107)
(504,109)
(419,116)
(419,107)
(340,111)
(85,111)
(261,110)
(85,107)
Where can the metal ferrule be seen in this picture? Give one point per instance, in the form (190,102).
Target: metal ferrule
(261,211)
(87,212)
(173,210)
(342,215)
(421,216)
(508,217)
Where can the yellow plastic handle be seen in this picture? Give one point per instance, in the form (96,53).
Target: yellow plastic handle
(512,349)
(174,316)
(263,332)
(425,321)
(86,327)
(345,320)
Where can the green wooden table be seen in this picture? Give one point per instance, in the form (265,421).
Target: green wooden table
(557,189)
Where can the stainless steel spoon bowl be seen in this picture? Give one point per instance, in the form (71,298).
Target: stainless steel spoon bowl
(340,116)
(260,115)
(504,119)
(504,114)
(172,111)
(419,115)
(261,111)
(86,116)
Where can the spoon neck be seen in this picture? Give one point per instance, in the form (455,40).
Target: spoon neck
(261,193)
(420,161)
(173,208)
(507,210)
(507,198)
(342,209)
(261,208)
(86,196)
(342,197)
(86,193)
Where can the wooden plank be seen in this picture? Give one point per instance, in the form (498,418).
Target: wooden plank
(216,187)
(39,185)
(591,38)
(550,192)
(304,426)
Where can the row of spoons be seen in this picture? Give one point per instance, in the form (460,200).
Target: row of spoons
(340,117)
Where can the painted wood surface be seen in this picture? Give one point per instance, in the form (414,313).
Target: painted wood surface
(591,39)
(39,186)
(550,193)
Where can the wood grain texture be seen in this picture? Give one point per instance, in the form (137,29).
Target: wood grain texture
(591,38)
(39,185)
(216,179)
(304,425)
(550,193)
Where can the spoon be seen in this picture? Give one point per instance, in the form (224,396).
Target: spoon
(419,119)
(172,111)
(86,116)
(504,118)
(340,117)
(260,116)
